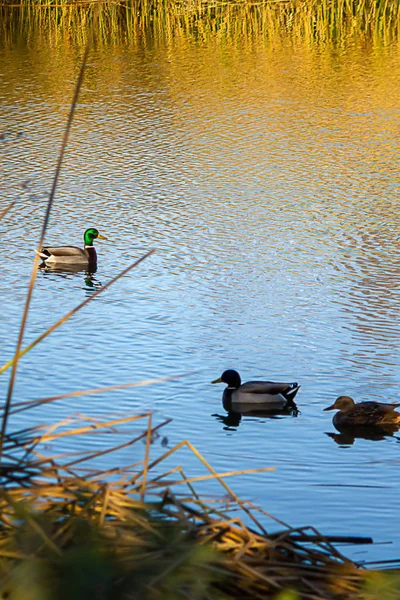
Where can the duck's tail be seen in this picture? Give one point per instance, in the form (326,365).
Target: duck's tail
(291,391)
(43,256)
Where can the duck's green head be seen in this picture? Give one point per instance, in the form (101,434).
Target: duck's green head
(343,403)
(230,377)
(92,234)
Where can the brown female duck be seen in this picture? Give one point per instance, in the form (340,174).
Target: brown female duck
(368,414)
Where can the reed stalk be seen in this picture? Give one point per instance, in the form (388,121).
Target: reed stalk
(41,242)
(4,212)
(313,22)
(19,353)
(141,527)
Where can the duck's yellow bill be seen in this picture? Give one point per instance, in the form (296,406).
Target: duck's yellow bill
(102,237)
(217,380)
(330,407)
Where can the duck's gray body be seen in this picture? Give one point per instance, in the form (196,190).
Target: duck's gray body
(260,395)
(68,255)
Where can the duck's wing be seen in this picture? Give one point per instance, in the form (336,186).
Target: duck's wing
(377,407)
(368,413)
(61,251)
(271,388)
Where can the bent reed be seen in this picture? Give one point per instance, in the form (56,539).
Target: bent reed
(70,528)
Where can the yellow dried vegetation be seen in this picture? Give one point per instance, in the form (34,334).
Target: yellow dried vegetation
(72,529)
(160,21)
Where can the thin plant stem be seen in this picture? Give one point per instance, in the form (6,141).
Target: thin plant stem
(7,209)
(41,241)
(72,312)
(22,406)
(146,458)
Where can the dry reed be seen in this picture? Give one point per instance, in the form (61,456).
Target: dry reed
(132,511)
(128,21)
(41,242)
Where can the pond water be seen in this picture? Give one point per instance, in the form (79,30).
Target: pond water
(267,179)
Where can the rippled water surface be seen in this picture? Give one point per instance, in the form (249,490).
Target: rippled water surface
(267,180)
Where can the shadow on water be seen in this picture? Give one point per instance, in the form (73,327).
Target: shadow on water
(91,282)
(348,435)
(233,418)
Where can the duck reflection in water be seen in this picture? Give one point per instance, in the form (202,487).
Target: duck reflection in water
(348,435)
(233,419)
(91,283)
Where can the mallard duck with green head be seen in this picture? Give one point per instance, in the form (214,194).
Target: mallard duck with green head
(268,395)
(368,414)
(72,255)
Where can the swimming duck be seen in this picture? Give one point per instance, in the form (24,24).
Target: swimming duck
(72,255)
(363,413)
(269,395)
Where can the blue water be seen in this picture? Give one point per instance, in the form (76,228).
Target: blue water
(271,199)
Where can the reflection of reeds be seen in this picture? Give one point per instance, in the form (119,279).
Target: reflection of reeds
(135,519)
(312,21)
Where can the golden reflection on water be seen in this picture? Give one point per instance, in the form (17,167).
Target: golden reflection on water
(326,115)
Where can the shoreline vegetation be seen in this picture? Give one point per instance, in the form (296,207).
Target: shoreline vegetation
(313,22)
(72,528)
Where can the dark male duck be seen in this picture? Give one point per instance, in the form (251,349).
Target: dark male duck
(369,414)
(265,395)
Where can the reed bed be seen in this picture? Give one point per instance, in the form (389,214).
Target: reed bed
(142,530)
(159,21)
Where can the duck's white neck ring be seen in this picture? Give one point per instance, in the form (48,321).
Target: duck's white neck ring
(86,246)
(231,388)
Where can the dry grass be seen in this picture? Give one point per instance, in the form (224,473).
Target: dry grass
(143,518)
(313,22)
